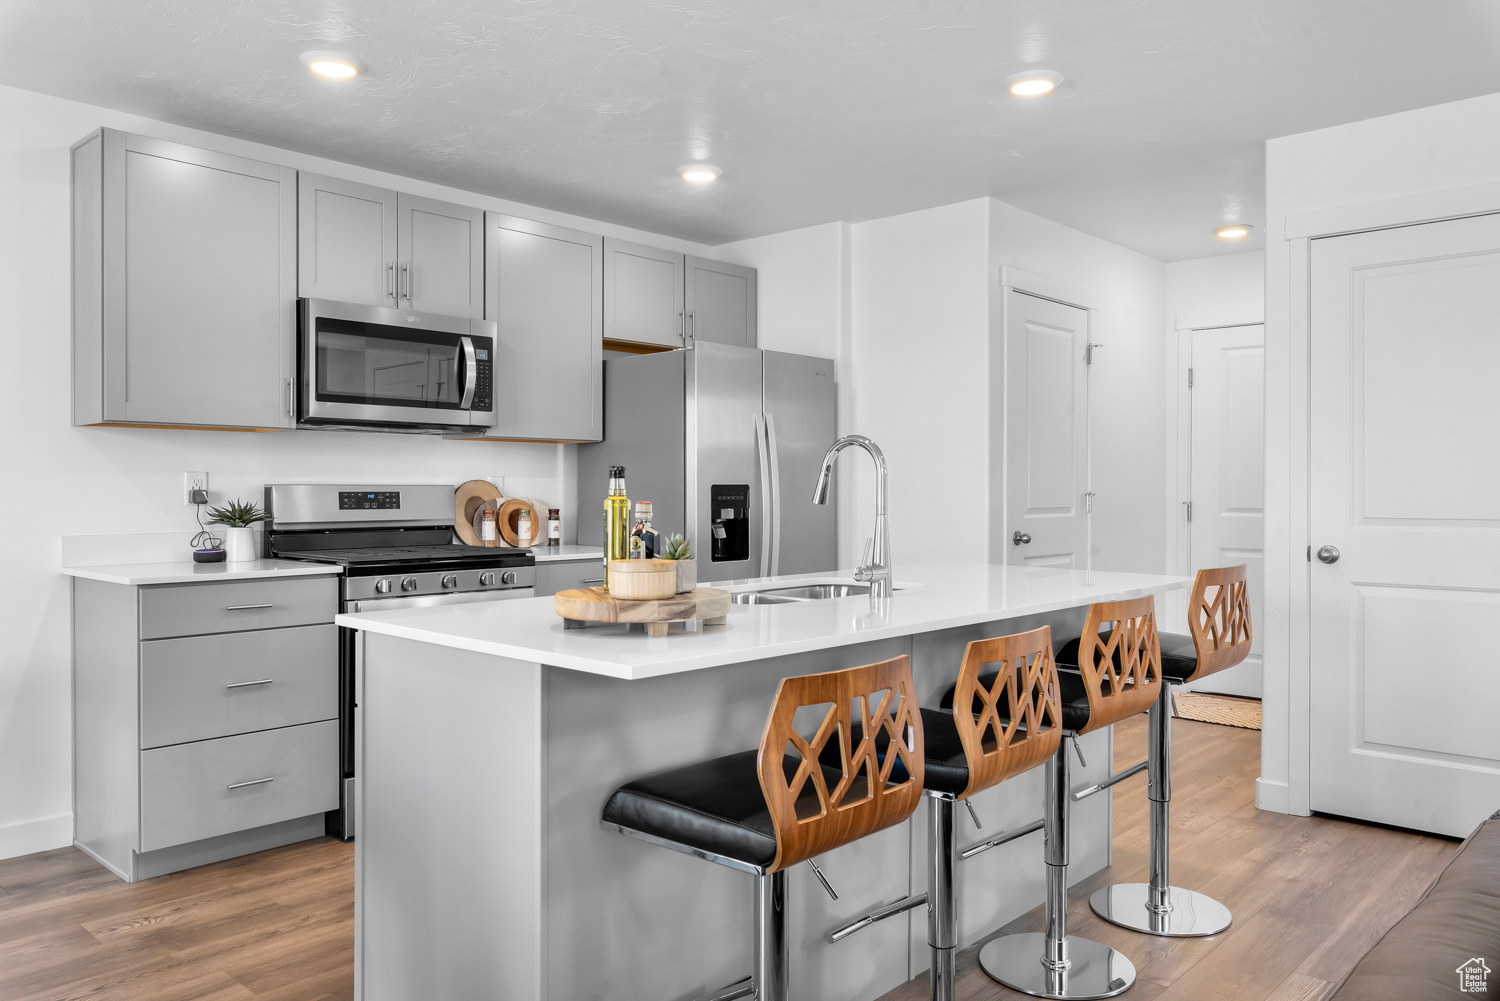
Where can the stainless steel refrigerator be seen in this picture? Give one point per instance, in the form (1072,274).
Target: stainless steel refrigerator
(725,442)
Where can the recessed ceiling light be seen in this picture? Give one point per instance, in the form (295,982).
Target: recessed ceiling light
(1033,83)
(1236,231)
(699,173)
(332,65)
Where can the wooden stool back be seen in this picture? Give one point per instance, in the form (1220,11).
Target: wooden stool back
(1220,624)
(810,817)
(1122,669)
(1016,723)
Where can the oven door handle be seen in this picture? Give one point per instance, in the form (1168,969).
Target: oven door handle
(471,372)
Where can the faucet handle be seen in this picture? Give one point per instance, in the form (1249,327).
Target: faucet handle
(862,572)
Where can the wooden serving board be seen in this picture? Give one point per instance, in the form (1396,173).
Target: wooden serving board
(709,605)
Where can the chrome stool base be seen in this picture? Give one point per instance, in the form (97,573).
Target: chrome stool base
(1193,914)
(1094,971)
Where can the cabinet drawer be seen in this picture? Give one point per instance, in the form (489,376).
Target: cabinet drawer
(554,577)
(194,609)
(212,787)
(199,687)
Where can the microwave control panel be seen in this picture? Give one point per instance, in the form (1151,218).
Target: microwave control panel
(483,366)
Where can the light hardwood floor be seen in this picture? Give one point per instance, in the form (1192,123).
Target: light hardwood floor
(1309,896)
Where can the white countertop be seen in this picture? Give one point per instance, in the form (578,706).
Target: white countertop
(195,573)
(929,596)
(567,554)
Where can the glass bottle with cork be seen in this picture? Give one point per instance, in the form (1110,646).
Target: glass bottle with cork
(616,521)
(554,528)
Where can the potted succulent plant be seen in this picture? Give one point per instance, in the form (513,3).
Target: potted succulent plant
(241,542)
(677,548)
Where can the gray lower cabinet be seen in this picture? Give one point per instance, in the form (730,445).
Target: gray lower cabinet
(198,738)
(544,289)
(642,294)
(552,577)
(184,285)
(720,302)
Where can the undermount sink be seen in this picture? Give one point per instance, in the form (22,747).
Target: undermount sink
(802,592)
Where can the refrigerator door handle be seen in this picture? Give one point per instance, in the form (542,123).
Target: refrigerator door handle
(775,467)
(763,447)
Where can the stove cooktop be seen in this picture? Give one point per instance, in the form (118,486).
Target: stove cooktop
(414,556)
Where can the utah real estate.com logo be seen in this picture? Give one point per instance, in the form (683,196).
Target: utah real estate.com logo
(1472,976)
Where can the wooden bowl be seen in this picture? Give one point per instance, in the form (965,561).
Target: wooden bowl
(642,580)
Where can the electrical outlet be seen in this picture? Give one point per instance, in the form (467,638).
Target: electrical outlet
(191,482)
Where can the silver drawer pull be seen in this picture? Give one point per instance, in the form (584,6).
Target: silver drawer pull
(596,580)
(252,782)
(241,608)
(247,684)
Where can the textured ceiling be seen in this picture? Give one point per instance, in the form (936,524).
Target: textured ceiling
(815,109)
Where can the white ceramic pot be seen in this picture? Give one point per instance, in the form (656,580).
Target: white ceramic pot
(241,545)
(687,576)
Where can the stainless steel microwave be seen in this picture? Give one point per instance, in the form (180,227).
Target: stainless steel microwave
(373,367)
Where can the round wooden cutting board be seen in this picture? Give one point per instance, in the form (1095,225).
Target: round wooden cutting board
(710,605)
(467,500)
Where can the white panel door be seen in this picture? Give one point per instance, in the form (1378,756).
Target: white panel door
(1046,433)
(1404,484)
(1229,475)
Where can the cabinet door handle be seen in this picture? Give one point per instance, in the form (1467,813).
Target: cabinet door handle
(406,282)
(248,684)
(291,397)
(252,782)
(681,325)
(390,279)
(242,608)
(690,325)
(594,580)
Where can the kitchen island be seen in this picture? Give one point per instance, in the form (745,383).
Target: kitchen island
(489,738)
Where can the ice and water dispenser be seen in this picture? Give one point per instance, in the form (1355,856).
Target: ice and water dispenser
(730,522)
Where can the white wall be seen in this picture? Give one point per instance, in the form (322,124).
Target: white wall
(61,480)
(1432,149)
(1124,291)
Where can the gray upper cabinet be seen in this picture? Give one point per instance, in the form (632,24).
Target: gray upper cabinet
(544,288)
(441,257)
(359,243)
(346,239)
(184,285)
(643,289)
(720,301)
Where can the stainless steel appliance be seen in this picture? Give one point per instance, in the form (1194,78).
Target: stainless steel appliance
(727,443)
(395,543)
(366,367)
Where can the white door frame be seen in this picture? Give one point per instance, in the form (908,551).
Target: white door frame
(1013,279)
(1286,779)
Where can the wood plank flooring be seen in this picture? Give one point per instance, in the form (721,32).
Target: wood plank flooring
(1309,896)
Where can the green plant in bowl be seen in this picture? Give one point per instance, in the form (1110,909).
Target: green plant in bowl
(236,514)
(677,548)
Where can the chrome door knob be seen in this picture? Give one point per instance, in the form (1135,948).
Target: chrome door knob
(509,577)
(1329,554)
(409,584)
(1020,539)
(486,579)
(382,587)
(450,580)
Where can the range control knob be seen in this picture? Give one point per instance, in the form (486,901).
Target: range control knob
(487,579)
(409,584)
(509,577)
(382,587)
(450,580)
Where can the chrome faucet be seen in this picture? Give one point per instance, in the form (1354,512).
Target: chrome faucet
(876,567)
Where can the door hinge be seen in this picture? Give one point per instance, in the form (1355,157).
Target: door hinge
(1190,378)
(1309,554)
(1189,505)
(1088,353)
(1088,502)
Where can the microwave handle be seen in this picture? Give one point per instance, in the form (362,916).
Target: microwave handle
(471,372)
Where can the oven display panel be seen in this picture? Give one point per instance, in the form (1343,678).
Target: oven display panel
(366,500)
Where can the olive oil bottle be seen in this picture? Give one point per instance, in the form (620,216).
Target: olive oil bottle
(616,521)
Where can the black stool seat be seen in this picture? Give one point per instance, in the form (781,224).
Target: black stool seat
(1074,698)
(1179,656)
(946,767)
(713,806)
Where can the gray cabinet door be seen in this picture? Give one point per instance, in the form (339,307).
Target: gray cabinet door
(441,257)
(543,287)
(642,294)
(346,238)
(199,304)
(554,577)
(720,300)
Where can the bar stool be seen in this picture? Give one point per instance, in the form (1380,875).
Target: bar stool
(1005,721)
(763,811)
(1220,639)
(1118,675)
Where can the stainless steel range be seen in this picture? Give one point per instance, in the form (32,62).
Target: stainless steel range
(395,543)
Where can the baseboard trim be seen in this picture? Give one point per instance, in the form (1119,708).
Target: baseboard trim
(227,846)
(1275,797)
(31,836)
